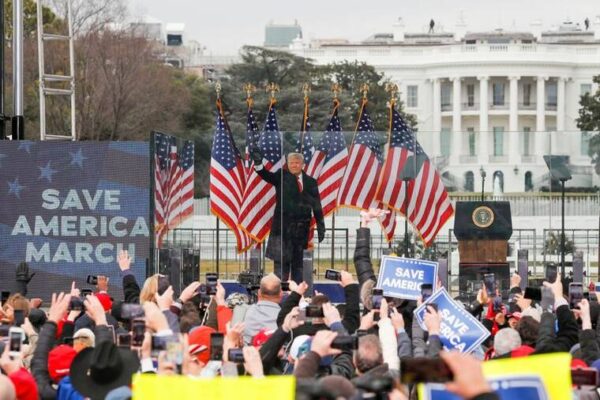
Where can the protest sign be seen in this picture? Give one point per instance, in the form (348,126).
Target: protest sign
(540,377)
(459,330)
(159,387)
(402,277)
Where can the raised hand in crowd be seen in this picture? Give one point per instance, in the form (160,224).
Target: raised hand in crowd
(291,320)
(432,321)
(233,339)
(58,306)
(331,315)
(468,381)
(346,278)
(220,295)
(300,288)
(75,292)
(557,289)
(372,214)
(189,292)
(252,362)
(124,260)
(367,321)
(155,319)
(94,309)
(165,300)
(584,313)
(482,295)
(10,363)
(522,302)
(515,280)
(321,343)
(397,320)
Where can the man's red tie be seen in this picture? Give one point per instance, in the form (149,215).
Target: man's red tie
(299,182)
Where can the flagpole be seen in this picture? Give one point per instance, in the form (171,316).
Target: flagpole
(220,110)
(335,88)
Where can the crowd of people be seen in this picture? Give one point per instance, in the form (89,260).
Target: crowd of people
(91,345)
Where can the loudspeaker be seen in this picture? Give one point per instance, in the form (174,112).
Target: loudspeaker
(477,220)
(522,267)
(255,261)
(307,270)
(443,271)
(578,266)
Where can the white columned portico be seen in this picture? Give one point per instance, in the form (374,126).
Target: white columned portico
(483,158)
(456,150)
(513,121)
(437,117)
(541,137)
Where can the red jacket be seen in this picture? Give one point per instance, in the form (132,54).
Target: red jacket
(25,385)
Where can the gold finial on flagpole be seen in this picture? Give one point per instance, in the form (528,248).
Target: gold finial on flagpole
(336,88)
(249,89)
(364,88)
(392,89)
(306,90)
(272,88)
(218,90)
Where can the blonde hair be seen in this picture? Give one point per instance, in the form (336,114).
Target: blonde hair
(18,302)
(149,289)
(298,156)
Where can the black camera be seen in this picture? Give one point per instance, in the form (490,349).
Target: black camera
(92,280)
(345,343)
(314,311)
(236,355)
(250,280)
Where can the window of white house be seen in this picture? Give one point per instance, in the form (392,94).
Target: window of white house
(412,96)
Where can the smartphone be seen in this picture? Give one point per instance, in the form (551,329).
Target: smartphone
(19,317)
(532,293)
(575,293)
(551,273)
(4,329)
(424,370)
(377,297)
(333,275)
(5,296)
(236,355)
(361,332)
(211,283)
(124,340)
(16,337)
(426,291)
(112,332)
(86,292)
(159,343)
(138,328)
(216,347)
(489,280)
(598,287)
(314,312)
(92,280)
(285,286)
(584,376)
(345,343)
(76,304)
(132,311)
(302,315)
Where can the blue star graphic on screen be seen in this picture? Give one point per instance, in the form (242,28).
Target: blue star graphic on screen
(15,188)
(77,158)
(47,172)
(25,145)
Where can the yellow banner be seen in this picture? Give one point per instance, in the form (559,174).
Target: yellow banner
(544,376)
(160,387)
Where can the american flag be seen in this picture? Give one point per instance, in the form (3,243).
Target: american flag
(259,198)
(304,144)
(328,163)
(429,207)
(359,183)
(227,181)
(173,182)
(252,136)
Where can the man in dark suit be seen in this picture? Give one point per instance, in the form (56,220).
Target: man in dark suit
(298,200)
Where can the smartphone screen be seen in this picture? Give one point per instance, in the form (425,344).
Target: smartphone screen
(216,346)
(426,291)
(533,293)
(138,328)
(377,297)
(92,280)
(15,342)
(19,317)
(211,283)
(417,370)
(584,376)
(333,275)
(285,286)
(575,294)
(489,280)
(236,355)
(124,340)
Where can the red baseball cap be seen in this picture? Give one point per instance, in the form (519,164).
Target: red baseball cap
(199,343)
(105,301)
(59,361)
